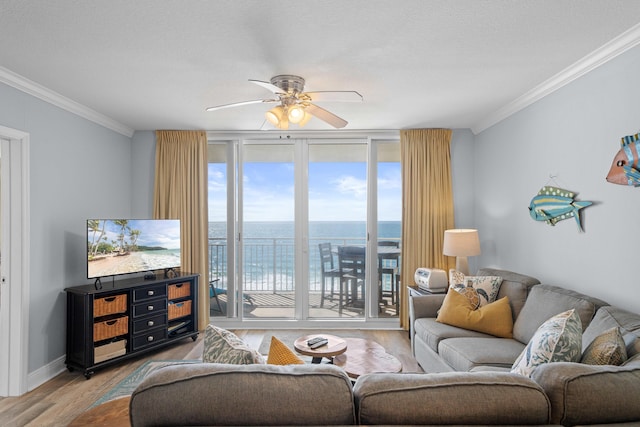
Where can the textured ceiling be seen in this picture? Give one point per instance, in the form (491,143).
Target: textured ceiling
(157,64)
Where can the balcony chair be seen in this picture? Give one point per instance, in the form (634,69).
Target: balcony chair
(214,292)
(328,269)
(389,265)
(351,262)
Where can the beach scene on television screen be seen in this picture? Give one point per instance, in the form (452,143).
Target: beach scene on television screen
(122,246)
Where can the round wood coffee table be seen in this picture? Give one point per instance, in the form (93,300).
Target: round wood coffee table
(364,357)
(334,347)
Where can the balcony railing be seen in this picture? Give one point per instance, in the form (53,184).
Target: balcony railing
(269,263)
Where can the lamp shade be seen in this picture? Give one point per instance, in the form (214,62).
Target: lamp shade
(461,242)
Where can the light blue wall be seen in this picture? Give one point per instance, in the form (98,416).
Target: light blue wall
(78,170)
(143,157)
(573,134)
(462,167)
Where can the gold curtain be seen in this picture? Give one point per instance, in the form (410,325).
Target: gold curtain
(180,191)
(427,204)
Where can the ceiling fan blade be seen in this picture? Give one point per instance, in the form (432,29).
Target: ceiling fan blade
(239,104)
(326,116)
(268,86)
(335,96)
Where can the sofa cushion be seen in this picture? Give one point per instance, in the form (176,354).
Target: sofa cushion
(432,332)
(494,318)
(589,394)
(466,354)
(280,354)
(222,394)
(516,286)
(222,346)
(607,349)
(545,301)
(608,317)
(487,287)
(559,339)
(449,398)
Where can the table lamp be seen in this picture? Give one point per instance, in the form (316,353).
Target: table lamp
(461,243)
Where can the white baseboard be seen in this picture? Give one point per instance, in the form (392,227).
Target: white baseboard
(44,374)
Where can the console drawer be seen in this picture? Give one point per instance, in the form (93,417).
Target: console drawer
(148,307)
(151,322)
(150,292)
(152,337)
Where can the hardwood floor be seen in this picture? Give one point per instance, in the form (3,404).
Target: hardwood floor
(60,400)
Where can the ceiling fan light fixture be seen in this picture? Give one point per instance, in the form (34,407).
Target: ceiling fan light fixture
(296,114)
(305,119)
(275,115)
(283,124)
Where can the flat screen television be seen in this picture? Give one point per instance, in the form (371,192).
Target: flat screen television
(125,246)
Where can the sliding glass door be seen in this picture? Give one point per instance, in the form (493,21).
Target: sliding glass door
(337,200)
(267,231)
(304,229)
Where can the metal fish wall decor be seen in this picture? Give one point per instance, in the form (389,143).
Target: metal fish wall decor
(553,204)
(624,169)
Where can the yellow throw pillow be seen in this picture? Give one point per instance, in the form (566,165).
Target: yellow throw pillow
(493,318)
(280,354)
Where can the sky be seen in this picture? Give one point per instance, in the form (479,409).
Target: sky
(153,232)
(337,191)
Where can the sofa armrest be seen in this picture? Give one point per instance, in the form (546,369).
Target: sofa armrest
(425,306)
(590,394)
(450,398)
(422,306)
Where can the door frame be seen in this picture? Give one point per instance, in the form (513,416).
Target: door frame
(14,281)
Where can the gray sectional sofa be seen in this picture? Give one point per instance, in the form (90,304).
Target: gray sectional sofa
(579,393)
(467,379)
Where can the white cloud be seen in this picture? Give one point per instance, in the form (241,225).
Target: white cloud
(351,185)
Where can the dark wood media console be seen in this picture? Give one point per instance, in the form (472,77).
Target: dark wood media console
(127,317)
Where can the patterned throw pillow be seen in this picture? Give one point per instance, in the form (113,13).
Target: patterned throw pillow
(280,354)
(559,339)
(607,349)
(222,346)
(487,287)
(472,295)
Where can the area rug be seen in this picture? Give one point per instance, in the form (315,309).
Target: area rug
(127,385)
(288,336)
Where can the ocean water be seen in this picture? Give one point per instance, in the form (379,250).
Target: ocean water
(269,253)
(317,229)
(166,258)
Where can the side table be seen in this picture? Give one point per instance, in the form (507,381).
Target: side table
(334,347)
(415,291)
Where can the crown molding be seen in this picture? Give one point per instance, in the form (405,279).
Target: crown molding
(25,85)
(600,56)
(391,135)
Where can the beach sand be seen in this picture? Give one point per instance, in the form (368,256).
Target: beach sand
(109,265)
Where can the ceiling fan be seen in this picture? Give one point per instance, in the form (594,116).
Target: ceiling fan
(296,106)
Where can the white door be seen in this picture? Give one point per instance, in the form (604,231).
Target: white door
(14,273)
